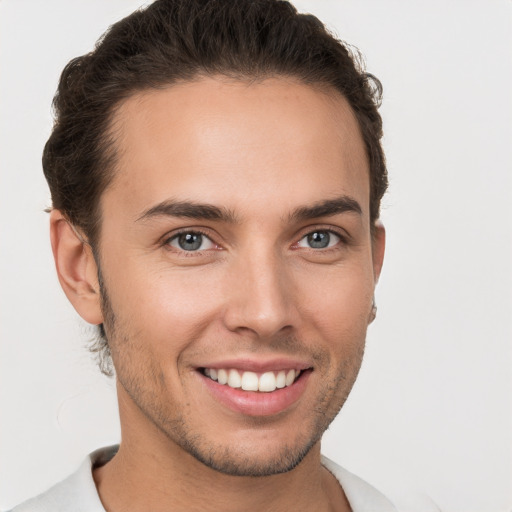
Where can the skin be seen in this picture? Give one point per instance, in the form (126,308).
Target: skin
(256,289)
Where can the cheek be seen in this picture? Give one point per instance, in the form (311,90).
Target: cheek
(338,301)
(168,305)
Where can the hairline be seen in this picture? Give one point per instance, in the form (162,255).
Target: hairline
(113,132)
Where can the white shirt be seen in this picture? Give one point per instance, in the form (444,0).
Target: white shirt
(78,492)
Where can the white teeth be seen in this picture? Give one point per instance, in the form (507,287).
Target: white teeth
(290,377)
(267,382)
(281,379)
(222,376)
(234,380)
(250,381)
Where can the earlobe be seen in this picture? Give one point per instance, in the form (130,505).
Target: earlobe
(378,248)
(76,268)
(373,312)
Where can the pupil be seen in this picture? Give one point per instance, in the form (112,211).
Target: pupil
(190,241)
(319,239)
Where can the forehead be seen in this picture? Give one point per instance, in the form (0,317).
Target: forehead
(237,144)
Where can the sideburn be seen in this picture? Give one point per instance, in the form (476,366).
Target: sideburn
(100,347)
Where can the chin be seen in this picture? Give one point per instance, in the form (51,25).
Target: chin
(235,461)
(257,449)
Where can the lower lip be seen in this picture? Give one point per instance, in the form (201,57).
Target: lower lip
(255,403)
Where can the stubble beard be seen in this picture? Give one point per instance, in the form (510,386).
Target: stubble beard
(229,460)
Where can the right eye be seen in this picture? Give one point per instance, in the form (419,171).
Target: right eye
(191,241)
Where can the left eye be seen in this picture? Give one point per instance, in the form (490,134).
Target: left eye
(320,239)
(191,241)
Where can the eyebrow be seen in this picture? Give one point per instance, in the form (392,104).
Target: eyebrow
(327,208)
(188,209)
(192,210)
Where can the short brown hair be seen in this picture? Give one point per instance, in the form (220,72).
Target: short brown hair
(182,40)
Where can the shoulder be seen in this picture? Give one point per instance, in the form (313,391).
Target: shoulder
(362,496)
(77,492)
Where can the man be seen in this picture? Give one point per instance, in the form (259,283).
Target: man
(216,175)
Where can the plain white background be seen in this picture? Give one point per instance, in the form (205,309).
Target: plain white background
(432,409)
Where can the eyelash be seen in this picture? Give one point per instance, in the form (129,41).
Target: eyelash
(197,231)
(343,239)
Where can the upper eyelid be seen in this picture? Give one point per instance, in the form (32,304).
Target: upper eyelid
(303,232)
(332,231)
(179,252)
(171,235)
(342,233)
(342,241)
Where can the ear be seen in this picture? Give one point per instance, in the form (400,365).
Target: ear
(76,268)
(378,248)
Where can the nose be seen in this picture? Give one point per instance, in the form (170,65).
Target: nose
(260,296)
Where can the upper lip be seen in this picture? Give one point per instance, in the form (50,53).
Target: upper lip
(258,365)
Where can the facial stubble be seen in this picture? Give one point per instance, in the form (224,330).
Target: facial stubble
(229,459)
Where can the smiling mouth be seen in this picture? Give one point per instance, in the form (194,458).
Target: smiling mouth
(251,381)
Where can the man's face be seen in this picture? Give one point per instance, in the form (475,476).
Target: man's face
(236,244)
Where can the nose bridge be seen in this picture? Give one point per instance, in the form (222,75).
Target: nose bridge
(260,298)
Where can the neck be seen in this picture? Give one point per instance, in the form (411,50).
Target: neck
(146,484)
(151,472)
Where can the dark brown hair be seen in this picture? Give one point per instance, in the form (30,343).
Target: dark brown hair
(181,40)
